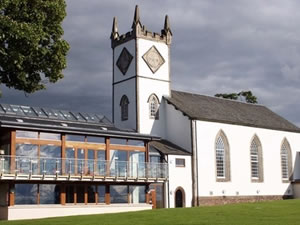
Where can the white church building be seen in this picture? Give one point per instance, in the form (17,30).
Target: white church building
(218,150)
(164,149)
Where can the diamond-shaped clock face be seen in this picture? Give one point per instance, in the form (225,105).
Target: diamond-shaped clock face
(124,61)
(153,59)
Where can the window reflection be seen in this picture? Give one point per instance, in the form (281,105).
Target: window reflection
(137,194)
(137,164)
(50,136)
(30,163)
(49,193)
(101,164)
(70,161)
(101,193)
(90,161)
(25,194)
(118,163)
(80,160)
(136,142)
(50,165)
(79,138)
(118,141)
(93,139)
(119,194)
(26,134)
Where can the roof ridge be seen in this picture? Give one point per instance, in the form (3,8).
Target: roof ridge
(225,99)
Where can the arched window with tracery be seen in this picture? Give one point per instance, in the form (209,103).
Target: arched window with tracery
(256,160)
(222,157)
(124,107)
(286,160)
(153,107)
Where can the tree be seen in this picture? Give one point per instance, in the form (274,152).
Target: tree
(32,51)
(247,95)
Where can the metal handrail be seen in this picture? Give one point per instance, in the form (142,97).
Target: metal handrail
(25,165)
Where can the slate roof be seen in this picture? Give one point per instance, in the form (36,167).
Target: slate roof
(206,108)
(168,148)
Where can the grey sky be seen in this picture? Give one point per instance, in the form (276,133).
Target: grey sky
(218,46)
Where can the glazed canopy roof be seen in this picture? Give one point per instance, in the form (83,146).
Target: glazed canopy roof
(26,117)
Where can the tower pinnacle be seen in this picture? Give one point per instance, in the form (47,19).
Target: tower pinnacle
(114,32)
(167,27)
(136,18)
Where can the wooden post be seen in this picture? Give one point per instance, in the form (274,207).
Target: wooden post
(85,194)
(147,194)
(107,194)
(75,194)
(63,153)
(153,198)
(96,195)
(11,194)
(63,194)
(107,156)
(13,151)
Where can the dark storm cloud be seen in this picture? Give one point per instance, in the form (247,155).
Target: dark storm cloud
(218,46)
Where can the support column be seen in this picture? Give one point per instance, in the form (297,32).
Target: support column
(63,153)
(63,194)
(107,155)
(107,194)
(12,151)
(11,201)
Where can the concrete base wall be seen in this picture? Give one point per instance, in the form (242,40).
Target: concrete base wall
(222,200)
(43,211)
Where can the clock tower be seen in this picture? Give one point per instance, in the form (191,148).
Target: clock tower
(141,76)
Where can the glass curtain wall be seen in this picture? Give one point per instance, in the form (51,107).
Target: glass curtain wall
(51,164)
(28,164)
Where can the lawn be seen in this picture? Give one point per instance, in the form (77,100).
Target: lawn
(276,212)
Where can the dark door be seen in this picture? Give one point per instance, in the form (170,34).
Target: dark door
(178,199)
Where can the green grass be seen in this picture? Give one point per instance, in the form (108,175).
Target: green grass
(276,212)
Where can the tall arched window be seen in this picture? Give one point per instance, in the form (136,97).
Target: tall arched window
(124,107)
(222,157)
(286,160)
(153,107)
(256,160)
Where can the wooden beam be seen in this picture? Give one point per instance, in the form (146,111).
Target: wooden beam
(128,148)
(38,142)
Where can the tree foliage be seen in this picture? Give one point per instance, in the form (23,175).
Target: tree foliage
(32,51)
(246,95)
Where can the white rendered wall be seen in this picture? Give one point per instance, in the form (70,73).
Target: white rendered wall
(239,138)
(125,88)
(118,75)
(180,177)
(149,125)
(149,83)
(178,128)
(143,69)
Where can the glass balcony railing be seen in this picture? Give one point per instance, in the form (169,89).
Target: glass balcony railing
(80,167)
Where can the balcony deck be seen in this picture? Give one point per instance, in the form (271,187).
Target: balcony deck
(58,169)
